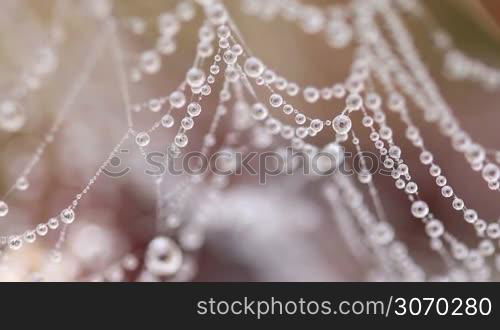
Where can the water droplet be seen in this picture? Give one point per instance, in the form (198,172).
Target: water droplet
(253,67)
(4,209)
(67,216)
(12,116)
(22,183)
(195,77)
(168,24)
(181,140)
(194,109)
(177,99)
(142,139)
(163,257)
(276,100)
(259,111)
(419,209)
(187,123)
(42,229)
(15,242)
(341,124)
(150,62)
(53,223)
(167,121)
(30,236)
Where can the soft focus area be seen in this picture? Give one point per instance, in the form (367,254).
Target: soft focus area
(126,130)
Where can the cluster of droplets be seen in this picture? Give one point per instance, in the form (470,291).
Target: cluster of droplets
(428,99)
(166,255)
(12,116)
(117,271)
(66,217)
(393,258)
(168,26)
(255,68)
(15,242)
(44,63)
(12,113)
(333,22)
(434,228)
(460,67)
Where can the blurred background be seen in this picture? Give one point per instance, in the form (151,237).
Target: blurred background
(294,234)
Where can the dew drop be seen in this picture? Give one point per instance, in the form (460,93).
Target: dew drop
(12,116)
(187,123)
(4,209)
(67,216)
(167,121)
(163,257)
(276,100)
(491,172)
(177,99)
(419,209)
(253,67)
(181,140)
(142,139)
(259,111)
(194,109)
(341,124)
(150,62)
(195,77)
(22,183)
(15,242)
(165,45)
(29,236)
(53,223)
(311,94)
(42,229)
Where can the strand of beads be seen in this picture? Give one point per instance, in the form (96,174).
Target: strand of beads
(383,232)
(460,67)
(332,22)
(67,215)
(383,235)
(188,236)
(12,113)
(275,126)
(351,231)
(256,69)
(168,25)
(273,82)
(22,183)
(426,158)
(253,67)
(457,65)
(436,110)
(392,161)
(193,110)
(196,80)
(276,100)
(165,255)
(116,272)
(392,254)
(435,228)
(118,57)
(419,209)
